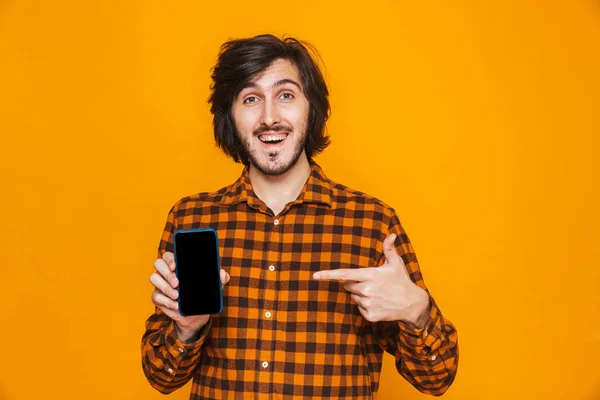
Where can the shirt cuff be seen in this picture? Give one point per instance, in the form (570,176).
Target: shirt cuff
(179,349)
(426,339)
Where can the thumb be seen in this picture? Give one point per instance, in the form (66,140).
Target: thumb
(389,250)
(224,277)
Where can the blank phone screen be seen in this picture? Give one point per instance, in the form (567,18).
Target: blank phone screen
(197,266)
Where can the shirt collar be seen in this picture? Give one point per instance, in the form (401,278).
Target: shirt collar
(317,189)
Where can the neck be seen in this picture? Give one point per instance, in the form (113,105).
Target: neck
(277,191)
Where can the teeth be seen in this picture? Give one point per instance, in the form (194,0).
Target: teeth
(272,138)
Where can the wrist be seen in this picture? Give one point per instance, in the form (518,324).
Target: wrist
(188,334)
(422,310)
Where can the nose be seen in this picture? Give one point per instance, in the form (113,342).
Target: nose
(270,114)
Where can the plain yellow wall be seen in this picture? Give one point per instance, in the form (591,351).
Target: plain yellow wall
(478,122)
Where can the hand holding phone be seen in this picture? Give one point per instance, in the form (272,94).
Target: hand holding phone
(166,294)
(197,264)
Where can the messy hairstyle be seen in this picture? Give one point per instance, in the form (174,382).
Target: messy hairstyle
(240,61)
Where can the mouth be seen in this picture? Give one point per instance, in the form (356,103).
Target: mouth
(272,139)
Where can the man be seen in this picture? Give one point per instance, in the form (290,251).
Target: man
(319,279)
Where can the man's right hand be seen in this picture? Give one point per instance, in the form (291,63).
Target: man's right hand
(165,297)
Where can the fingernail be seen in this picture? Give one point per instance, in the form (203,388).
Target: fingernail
(316,275)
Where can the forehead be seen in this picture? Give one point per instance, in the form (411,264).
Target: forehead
(278,70)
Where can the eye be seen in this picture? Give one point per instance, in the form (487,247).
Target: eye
(250,99)
(287,96)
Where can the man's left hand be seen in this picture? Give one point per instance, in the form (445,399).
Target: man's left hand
(384,293)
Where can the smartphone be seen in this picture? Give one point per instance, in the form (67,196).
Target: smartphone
(197,267)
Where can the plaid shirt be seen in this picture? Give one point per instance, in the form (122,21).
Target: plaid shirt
(282,334)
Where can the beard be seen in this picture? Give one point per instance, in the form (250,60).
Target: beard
(274,166)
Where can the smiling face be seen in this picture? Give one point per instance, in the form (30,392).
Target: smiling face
(271,115)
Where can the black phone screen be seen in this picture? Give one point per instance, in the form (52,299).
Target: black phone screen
(198,272)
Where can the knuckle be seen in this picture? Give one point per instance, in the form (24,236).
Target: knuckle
(371,317)
(365,313)
(366,303)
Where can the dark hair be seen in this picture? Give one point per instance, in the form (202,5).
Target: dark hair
(239,61)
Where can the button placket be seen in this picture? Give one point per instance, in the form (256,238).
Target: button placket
(269,296)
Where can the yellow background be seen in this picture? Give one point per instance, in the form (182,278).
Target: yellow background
(478,122)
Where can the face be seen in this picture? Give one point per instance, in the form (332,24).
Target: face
(271,115)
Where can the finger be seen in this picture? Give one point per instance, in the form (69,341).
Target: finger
(173,314)
(159,299)
(359,300)
(359,288)
(344,274)
(162,285)
(363,311)
(166,273)
(389,250)
(224,277)
(366,314)
(169,260)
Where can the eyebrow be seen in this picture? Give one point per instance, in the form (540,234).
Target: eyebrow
(276,84)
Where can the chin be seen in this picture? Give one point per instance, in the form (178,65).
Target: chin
(274,170)
(277,168)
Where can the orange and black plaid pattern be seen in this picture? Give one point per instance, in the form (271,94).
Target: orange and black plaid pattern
(282,334)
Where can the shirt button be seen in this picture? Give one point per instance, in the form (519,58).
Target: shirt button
(170,370)
(268,314)
(276,222)
(271,268)
(265,364)
(180,350)
(433,358)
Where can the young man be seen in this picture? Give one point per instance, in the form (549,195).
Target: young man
(319,279)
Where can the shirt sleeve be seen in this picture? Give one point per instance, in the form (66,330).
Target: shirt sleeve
(167,362)
(426,357)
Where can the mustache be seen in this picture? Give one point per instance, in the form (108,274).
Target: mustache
(278,128)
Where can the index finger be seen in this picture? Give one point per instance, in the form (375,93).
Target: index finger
(343,274)
(169,259)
